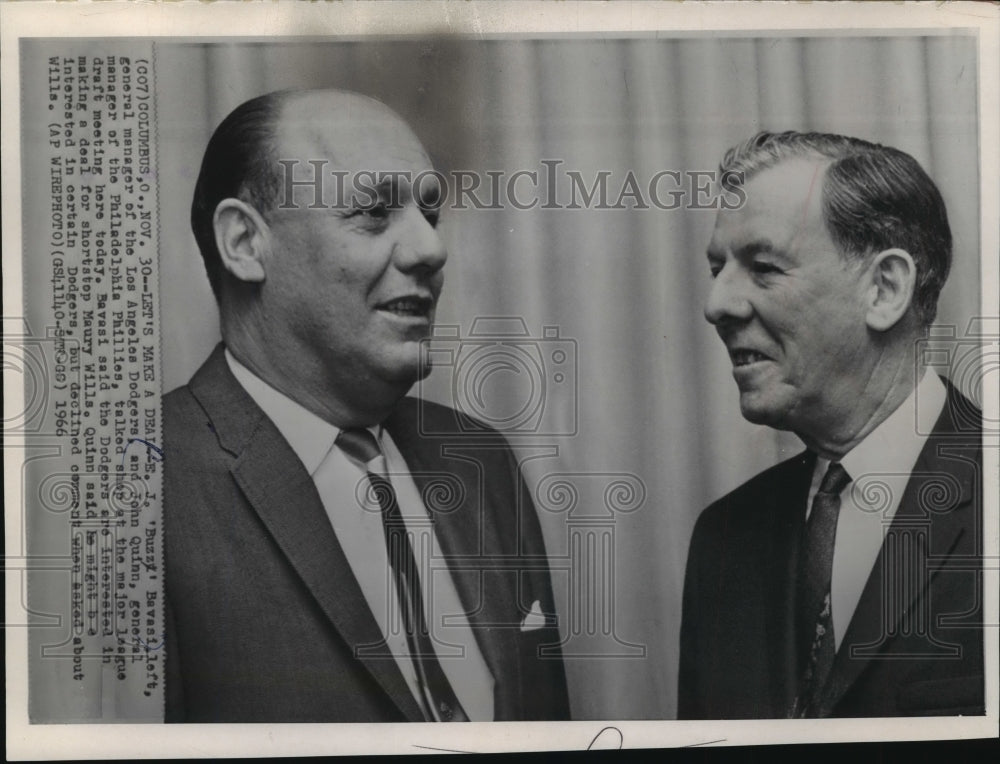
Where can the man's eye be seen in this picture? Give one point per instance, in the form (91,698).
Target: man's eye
(377,212)
(764,268)
(432,216)
(374,216)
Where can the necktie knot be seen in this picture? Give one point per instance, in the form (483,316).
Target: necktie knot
(834,481)
(359,444)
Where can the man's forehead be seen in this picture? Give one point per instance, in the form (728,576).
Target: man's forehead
(794,185)
(781,201)
(348,130)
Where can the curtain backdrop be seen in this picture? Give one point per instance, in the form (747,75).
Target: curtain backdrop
(651,398)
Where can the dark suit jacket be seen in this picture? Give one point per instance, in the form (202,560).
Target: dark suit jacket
(915,643)
(263,612)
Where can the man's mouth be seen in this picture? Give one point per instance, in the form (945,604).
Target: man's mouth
(741,357)
(410,306)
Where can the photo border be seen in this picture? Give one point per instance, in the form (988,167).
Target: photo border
(351,20)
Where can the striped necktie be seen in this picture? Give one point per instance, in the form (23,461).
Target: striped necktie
(813,611)
(437,696)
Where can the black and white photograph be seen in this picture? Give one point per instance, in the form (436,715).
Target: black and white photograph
(443,365)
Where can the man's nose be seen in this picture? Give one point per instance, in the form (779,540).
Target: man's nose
(419,246)
(727,300)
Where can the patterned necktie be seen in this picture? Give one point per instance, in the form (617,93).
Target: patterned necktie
(813,611)
(436,692)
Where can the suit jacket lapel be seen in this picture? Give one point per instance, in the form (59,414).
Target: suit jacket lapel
(782,543)
(464,535)
(284,496)
(923,532)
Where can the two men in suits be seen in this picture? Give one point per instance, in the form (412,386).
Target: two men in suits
(327,559)
(846,580)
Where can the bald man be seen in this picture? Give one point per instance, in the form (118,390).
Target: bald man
(325,560)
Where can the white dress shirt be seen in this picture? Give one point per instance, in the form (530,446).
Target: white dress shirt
(357,523)
(879,467)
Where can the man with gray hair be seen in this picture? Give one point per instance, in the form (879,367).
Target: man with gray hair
(328,560)
(846,580)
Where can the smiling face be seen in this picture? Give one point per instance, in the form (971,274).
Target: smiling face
(788,306)
(350,290)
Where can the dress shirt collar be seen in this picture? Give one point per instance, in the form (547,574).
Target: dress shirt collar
(894,446)
(310,436)
(883,460)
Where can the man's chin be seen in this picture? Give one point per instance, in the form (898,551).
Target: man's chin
(759,411)
(410,366)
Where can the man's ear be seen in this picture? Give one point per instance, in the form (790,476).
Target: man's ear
(890,293)
(241,238)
